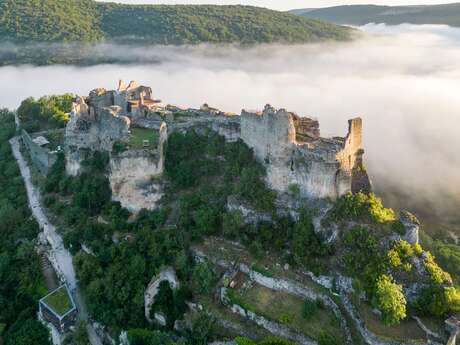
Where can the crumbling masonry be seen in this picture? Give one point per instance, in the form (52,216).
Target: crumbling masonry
(289,146)
(295,154)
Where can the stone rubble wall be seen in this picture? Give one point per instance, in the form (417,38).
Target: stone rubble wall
(273,327)
(284,285)
(167,274)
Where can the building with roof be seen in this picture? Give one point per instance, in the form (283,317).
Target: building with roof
(59,309)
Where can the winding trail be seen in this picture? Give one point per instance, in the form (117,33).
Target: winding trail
(61,257)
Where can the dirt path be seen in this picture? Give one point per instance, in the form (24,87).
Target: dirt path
(61,257)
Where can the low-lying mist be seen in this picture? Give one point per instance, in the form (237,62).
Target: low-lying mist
(403,81)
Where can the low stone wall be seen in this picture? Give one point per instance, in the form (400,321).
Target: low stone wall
(42,157)
(288,286)
(273,327)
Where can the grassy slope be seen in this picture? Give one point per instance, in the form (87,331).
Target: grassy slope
(363,14)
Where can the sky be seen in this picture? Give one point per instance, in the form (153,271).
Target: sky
(287,4)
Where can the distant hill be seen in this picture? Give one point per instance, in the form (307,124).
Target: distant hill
(90,21)
(448,14)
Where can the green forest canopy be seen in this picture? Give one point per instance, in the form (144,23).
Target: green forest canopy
(90,21)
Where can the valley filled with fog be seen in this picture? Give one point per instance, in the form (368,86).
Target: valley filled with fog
(402,80)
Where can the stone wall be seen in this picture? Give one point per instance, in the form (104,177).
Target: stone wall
(87,132)
(167,274)
(42,157)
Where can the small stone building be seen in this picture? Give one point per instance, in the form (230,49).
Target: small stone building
(59,309)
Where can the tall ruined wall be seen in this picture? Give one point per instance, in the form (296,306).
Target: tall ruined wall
(132,175)
(93,132)
(294,153)
(269,134)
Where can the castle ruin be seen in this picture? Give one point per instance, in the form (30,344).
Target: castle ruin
(294,153)
(289,146)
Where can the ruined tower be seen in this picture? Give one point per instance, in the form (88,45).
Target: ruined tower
(294,153)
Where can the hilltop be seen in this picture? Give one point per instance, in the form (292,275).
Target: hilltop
(89,21)
(448,14)
(210,225)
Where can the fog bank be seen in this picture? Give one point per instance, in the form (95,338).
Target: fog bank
(402,80)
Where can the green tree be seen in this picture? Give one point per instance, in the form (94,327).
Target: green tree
(203,277)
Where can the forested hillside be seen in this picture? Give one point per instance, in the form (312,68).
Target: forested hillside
(195,24)
(448,14)
(49,21)
(89,21)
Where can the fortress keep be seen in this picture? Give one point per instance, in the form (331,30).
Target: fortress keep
(289,146)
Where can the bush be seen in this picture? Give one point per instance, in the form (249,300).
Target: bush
(203,277)
(437,274)
(306,246)
(438,301)
(244,341)
(309,310)
(361,206)
(285,319)
(390,300)
(398,227)
(45,113)
(327,339)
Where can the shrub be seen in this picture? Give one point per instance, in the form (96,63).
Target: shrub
(285,319)
(437,274)
(203,277)
(362,250)
(244,341)
(310,308)
(326,338)
(393,258)
(232,224)
(390,300)
(438,301)
(398,227)
(294,189)
(361,206)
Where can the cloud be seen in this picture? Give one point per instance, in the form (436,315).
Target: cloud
(403,82)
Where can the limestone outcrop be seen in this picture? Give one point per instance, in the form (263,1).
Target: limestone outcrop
(294,154)
(134,175)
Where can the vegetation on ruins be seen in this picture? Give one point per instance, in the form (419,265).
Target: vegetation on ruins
(21,283)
